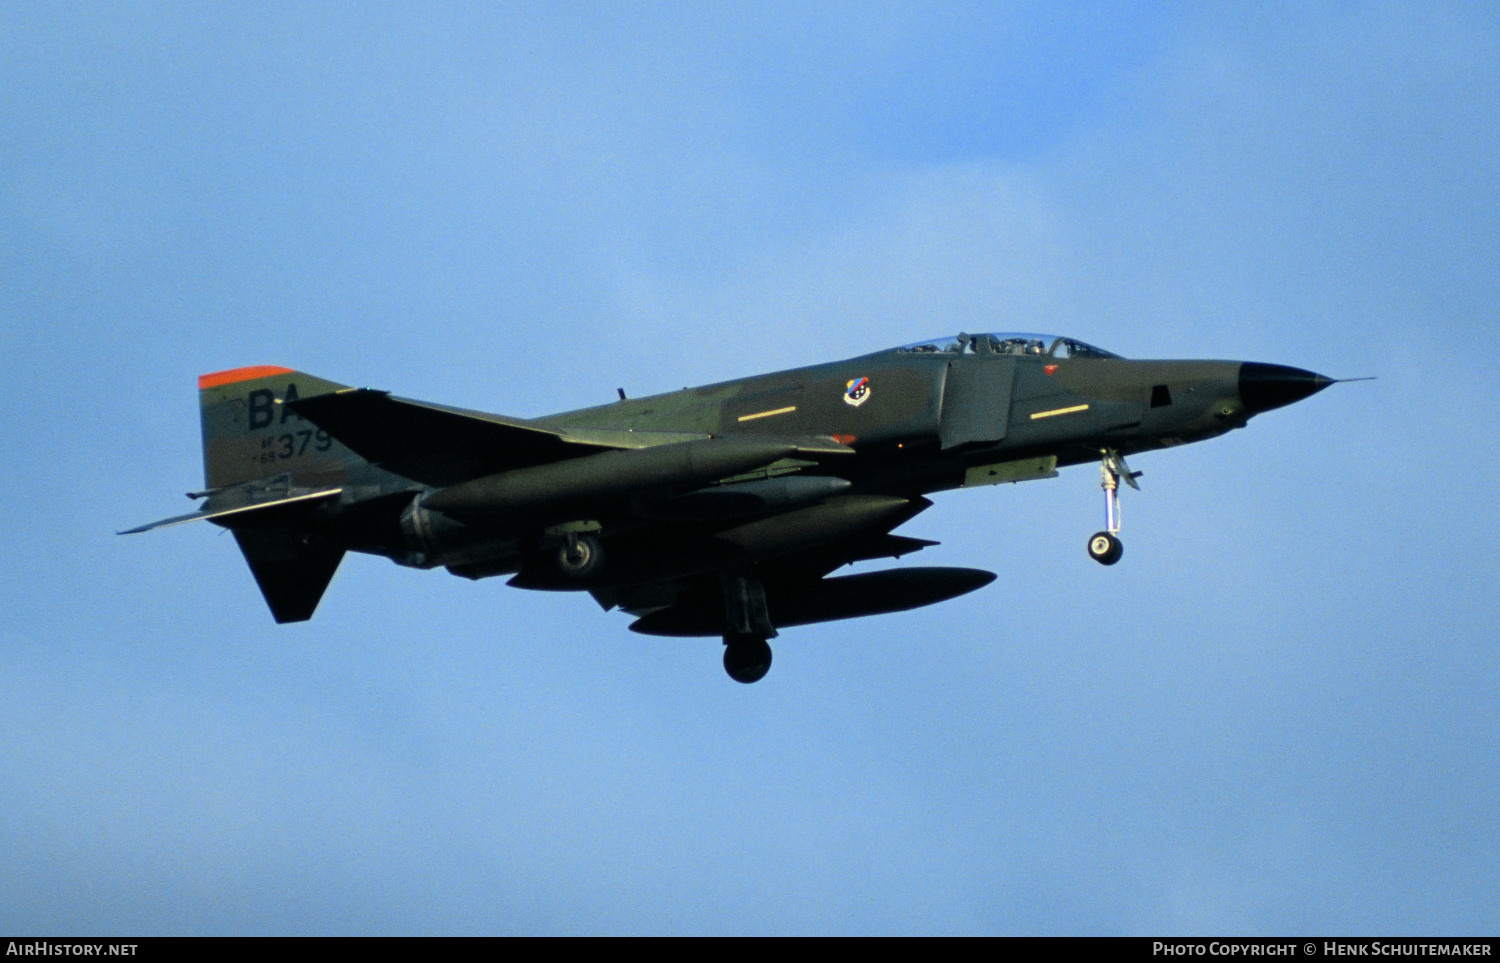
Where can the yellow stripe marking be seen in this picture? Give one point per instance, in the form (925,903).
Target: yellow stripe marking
(767,414)
(1058,411)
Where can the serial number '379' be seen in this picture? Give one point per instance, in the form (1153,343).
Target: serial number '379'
(292,444)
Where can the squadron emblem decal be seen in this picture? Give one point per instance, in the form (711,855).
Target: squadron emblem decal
(857,392)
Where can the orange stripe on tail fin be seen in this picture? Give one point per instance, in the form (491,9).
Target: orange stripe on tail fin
(240,374)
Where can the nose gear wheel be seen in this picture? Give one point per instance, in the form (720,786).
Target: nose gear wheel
(1105,548)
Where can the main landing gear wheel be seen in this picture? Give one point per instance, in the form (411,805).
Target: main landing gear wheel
(747,660)
(1105,548)
(580,556)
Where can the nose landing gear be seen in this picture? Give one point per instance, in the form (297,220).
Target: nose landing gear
(1105,547)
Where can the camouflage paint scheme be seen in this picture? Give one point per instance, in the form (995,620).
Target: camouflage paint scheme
(717,511)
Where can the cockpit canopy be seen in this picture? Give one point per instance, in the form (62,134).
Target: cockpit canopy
(1008,343)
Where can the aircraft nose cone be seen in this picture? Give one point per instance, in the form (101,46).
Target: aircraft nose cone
(1267,386)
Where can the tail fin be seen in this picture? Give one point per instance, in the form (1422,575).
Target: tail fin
(249,432)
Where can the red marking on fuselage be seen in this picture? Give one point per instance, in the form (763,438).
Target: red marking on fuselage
(240,374)
(1049,368)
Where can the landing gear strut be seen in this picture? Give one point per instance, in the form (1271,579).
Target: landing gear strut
(747,626)
(1105,547)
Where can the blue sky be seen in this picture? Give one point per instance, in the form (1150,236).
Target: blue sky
(1276,715)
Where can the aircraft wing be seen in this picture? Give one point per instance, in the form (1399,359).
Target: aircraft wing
(439,445)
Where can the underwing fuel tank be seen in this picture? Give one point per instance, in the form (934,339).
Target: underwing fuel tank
(610,474)
(827,600)
(836,518)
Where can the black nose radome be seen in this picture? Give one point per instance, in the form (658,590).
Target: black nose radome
(1267,386)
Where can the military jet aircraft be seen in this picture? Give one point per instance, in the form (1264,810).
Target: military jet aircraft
(713,511)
